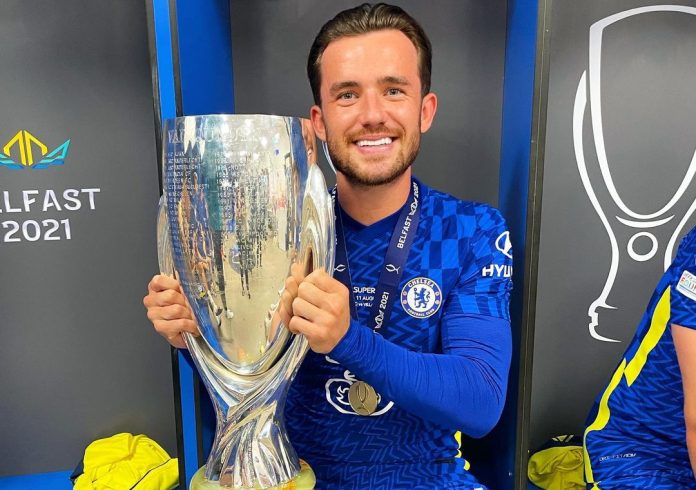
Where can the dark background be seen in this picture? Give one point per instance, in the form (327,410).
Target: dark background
(78,358)
(648,103)
(460,154)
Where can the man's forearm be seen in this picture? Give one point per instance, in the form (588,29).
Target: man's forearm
(461,392)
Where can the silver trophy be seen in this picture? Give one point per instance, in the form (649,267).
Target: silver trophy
(244,206)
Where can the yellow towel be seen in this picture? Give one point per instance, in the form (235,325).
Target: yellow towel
(124,462)
(558,465)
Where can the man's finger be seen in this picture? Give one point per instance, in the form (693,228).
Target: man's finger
(305,309)
(287,297)
(177,341)
(314,295)
(297,271)
(321,279)
(284,315)
(171,328)
(161,282)
(165,298)
(169,312)
(301,326)
(186,325)
(291,285)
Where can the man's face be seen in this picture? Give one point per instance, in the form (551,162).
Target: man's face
(372,112)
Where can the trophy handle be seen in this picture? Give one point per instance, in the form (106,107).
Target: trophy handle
(318,239)
(165,256)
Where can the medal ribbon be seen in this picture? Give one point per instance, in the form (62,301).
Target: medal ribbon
(394,260)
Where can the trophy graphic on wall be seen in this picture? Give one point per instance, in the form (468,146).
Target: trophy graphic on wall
(243,203)
(642,138)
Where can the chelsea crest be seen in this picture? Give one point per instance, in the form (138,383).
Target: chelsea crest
(421,297)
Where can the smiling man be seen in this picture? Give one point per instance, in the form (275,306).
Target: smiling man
(411,338)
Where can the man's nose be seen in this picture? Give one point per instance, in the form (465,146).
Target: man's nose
(373,112)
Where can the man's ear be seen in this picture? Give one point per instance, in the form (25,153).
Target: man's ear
(428,110)
(317,119)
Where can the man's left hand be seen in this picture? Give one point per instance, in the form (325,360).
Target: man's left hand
(321,311)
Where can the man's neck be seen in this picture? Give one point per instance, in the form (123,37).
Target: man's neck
(369,204)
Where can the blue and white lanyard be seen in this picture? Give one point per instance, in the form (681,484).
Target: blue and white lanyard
(394,260)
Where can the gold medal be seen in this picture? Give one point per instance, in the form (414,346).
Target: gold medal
(362,398)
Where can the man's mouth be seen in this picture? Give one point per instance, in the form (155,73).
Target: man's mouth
(379,142)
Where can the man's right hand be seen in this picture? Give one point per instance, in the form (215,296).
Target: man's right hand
(169,311)
(284,311)
(292,284)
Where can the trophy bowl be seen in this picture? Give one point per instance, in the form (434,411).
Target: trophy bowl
(244,206)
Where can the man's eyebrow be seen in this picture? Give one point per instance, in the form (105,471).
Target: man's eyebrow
(392,80)
(338,86)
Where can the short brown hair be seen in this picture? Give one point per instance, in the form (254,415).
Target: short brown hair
(362,20)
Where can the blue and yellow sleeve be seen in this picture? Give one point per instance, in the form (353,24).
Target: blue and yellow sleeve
(683,294)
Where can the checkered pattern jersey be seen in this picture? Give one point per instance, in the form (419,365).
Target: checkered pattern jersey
(636,436)
(456,246)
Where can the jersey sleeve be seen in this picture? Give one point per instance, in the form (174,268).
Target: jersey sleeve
(485,283)
(683,286)
(462,388)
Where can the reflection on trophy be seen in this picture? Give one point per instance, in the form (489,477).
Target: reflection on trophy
(642,236)
(244,204)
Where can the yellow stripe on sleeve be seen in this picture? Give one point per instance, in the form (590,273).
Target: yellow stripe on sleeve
(602,419)
(658,324)
(630,370)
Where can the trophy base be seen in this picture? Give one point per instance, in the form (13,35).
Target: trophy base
(304,481)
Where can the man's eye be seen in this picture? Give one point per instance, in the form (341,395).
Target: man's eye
(394,91)
(346,96)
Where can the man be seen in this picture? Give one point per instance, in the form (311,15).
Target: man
(642,430)
(410,340)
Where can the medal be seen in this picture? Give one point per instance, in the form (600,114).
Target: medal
(362,398)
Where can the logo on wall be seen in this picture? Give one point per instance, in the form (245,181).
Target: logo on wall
(31,152)
(638,233)
(39,215)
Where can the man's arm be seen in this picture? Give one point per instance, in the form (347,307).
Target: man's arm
(685,345)
(682,305)
(462,388)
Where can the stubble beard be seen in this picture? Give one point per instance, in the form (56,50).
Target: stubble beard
(342,162)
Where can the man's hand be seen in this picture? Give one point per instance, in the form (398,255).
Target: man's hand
(321,311)
(169,311)
(292,283)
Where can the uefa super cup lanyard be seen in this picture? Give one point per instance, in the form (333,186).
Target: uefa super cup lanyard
(395,259)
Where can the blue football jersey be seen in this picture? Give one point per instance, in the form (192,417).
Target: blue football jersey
(636,430)
(459,264)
